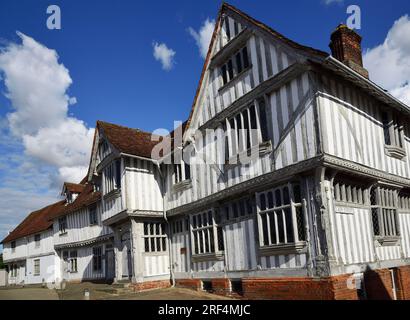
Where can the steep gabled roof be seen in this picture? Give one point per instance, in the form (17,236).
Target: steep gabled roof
(36,222)
(84,199)
(227,7)
(127,140)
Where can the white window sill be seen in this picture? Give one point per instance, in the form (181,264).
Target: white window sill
(112,194)
(263,149)
(208,256)
(296,247)
(388,241)
(395,152)
(183,185)
(234,79)
(61,234)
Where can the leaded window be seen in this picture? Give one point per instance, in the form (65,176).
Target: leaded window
(281,215)
(384,212)
(207,235)
(155,238)
(97,259)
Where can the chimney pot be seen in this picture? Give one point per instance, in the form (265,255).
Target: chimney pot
(346,47)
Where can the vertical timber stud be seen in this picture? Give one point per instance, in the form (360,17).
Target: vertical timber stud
(137,230)
(118,256)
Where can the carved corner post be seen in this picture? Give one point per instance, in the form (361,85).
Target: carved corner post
(325,258)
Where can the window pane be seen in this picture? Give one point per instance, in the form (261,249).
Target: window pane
(245,58)
(238,62)
(224,74)
(230,70)
(262,202)
(286,199)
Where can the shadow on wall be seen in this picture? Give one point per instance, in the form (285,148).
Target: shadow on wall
(379,284)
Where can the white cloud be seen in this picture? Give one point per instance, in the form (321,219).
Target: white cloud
(389,62)
(37,87)
(164,55)
(203,36)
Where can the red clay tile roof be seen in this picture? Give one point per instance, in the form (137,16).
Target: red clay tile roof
(35,222)
(74,187)
(128,140)
(85,198)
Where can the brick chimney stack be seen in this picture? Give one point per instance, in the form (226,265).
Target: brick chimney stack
(346,47)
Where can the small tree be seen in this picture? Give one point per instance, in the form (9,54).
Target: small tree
(2,266)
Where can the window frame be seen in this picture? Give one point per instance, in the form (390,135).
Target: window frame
(292,209)
(72,261)
(37,242)
(13,246)
(36,267)
(213,231)
(97,259)
(92,215)
(62,225)
(229,70)
(155,237)
(393,134)
(239,138)
(384,204)
(112,176)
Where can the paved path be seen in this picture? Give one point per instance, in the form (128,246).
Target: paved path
(103,292)
(28,294)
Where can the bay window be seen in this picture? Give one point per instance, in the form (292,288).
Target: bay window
(281,216)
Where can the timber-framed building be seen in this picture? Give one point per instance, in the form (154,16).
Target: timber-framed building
(321,212)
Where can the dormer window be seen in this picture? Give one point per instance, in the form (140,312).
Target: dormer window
(238,63)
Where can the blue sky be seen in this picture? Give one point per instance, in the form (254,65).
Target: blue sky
(107,48)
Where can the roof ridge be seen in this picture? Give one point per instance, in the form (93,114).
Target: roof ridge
(122,126)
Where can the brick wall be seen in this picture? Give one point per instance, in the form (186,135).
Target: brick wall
(141,286)
(194,284)
(403,283)
(299,288)
(378,284)
(221,286)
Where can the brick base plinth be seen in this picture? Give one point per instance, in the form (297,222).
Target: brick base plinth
(378,285)
(194,284)
(403,283)
(160,284)
(332,288)
(221,286)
